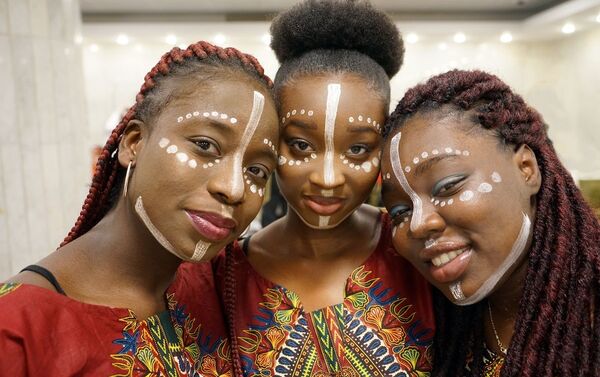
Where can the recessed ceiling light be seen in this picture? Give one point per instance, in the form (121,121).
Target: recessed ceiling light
(266,39)
(138,47)
(171,39)
(460,37)
(443,46)
(78,39)
(412,38)
(568,28)
(506,37)
(219,39)
(94,47)
(598,18)
(122,39)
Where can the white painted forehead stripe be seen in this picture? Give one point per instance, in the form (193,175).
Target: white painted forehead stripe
(399,173)
(333,99)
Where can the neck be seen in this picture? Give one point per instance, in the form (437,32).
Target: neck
(314,243)
(124,254)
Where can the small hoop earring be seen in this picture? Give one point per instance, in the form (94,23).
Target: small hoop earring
(127,179)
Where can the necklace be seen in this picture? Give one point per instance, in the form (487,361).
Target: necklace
(500,345)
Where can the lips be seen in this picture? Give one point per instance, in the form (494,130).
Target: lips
(323,205)
(447,261)
(211,226)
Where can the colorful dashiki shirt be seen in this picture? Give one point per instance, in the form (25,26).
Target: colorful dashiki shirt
(492,363)
(384,326)
(44,333)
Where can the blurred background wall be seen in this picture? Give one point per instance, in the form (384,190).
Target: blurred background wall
(70,68)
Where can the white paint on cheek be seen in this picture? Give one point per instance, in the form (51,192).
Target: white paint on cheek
(375,161)
(238,158)
(192,164)
(324,221)
(484,187)
(163,142)
(394,230)
(327,193)
(466,196)
(182,157)
(282,160)
(399,173)
(172,149)
(517,250)
(333,99)
(366,166)
(141,211)
(496,177)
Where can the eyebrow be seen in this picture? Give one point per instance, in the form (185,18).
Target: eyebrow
(427,164)
(225,126)
(358,129)
(301,124)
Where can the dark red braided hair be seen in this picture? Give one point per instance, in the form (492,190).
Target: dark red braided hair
(556,329)
(108,176)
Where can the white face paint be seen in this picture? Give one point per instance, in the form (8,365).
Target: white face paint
(207,114)
(324,221)
(369,120)
(199,251)
(333,99)
(516,252)
(399,173)
(294,112)
(237,181)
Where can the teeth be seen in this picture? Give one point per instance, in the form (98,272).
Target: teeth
(446,257)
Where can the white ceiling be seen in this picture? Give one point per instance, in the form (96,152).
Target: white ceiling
(110,10)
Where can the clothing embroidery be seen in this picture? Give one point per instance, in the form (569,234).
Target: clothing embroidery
(492,363)
(7,288)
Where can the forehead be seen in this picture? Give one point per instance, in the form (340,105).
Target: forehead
(311,92)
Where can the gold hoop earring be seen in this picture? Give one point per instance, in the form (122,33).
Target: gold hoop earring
(127,179)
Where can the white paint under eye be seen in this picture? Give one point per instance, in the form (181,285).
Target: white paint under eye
(442,204)
(302,111)
(457,152)
(253,188)
(436,202)
(366,166)
(394,229)
(516,252)
(192,164)
(306,159)
(484,187)
(351,119)
(163,142)
(360,118)
(261,192)
(210,164)
(233,120)
(368,120)
(424,155)
(298,162)
(188,116)
(375,161)
(179,119)
(352,165)
(432,200)
(223,116)
(237,185)
(327,193)
(293,112)
(172,149)
(182,157)
(466,153)
(205,166)
(324,221)
(313,156)
(283,120)
(345,162)
(496,177)
(282,160)
(450,201)
(407,169)
(388,176)
(333,99)
(399,173)
(288,115)
(356,167)
(291,162)
(310,113)
(466,196)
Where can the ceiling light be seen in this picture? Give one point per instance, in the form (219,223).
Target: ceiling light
(460,37)
(568,28)
(219,39)
(78,39)
(506,37)
(412,38)
(598,18)
(443,46)
(266,39)
(94,47)
(122,39)
(138,47)
(171,39)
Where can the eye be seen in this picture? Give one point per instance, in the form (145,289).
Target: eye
(259,171)
(357,150)
(447,186)
(399,213)
(207,146)
(300,145)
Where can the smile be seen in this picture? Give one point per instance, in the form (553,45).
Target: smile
(324,205)
(447,257)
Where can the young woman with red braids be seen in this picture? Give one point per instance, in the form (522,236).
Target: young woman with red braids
(321,292)
(181,176)
(483,207)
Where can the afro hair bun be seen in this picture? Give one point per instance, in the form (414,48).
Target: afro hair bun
(338,24)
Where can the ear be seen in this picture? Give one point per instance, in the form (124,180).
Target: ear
(527,164)
(132,141)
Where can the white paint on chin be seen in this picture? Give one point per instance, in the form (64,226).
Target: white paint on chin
(324,221)
(516,252)
(199,251)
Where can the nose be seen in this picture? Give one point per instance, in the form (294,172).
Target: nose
(327,175)
(226,182)
(426,220)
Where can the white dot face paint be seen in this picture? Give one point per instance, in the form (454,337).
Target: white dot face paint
(496,177)
(333,98)
(172,149)
(324,221)
(163,142)
(182,157)
(484,187)
(516,252)
(466,196)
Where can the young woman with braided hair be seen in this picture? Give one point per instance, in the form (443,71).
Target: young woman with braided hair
(181,176)
(321,292)
(484,208)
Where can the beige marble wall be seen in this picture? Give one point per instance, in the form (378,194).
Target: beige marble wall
(44,156)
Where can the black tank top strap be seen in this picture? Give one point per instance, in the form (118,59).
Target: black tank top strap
(46,275)
(245,245)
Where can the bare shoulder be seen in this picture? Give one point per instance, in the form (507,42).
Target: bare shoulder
(31,278)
